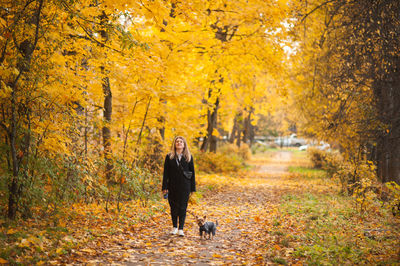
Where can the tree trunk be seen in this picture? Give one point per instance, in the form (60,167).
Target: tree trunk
(234,129)
(106,130)
(13,187)
(213,143)
(214,118)
(107,105)
(250,128)
(223,34)
(247,128)
(27,47)
(239,137)
(386,85)
(85,134)
(209,139)
(388,143)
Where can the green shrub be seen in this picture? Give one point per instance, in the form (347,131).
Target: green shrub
(243,152)
(46,184)
(332,162)
(317,157)
(258,148)
(141,184)
(211,162)
(326,160)
(229,158)
(355,176)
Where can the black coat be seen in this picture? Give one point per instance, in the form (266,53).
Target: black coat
(173,178)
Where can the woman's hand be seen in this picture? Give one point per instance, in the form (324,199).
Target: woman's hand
(165,193)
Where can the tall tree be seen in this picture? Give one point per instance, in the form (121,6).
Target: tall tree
(349,78)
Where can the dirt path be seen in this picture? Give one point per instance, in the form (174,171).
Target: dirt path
(241,207)
(277,165)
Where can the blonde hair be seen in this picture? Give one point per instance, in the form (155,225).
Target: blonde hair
(186,152)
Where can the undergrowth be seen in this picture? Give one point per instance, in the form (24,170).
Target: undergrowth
(320,226)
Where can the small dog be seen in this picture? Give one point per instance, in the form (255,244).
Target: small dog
(207,227)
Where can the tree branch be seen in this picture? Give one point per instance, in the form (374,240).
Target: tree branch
(316,8)
(5,128)
(97,41)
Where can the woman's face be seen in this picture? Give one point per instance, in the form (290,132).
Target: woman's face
(179,144)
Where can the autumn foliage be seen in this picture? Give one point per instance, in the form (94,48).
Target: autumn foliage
(93,92)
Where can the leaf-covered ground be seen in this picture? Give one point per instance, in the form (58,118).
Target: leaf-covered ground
(266,216)
(241,206)
(271,214)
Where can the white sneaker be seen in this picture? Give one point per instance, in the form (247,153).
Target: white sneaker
(174,231)
(180,233)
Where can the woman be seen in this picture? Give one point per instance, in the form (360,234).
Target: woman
(178,186)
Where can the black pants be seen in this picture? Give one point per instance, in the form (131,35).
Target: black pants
(178,203)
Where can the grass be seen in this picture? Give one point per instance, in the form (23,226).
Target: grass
(307,172)
(334,233)
(281,261)
(319,226)
(331,231)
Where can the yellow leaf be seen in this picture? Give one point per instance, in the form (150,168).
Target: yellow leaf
(88,250)
(3,261)
(24,243)
(215,133)
(217,256)
(3,22)
(59,250)
(34,240)
(277,247)
(15,71)
(11,231)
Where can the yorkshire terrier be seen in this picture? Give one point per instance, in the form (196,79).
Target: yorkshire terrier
(207,227)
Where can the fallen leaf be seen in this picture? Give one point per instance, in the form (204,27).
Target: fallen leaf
(12,231)
(89,250)
(24,243)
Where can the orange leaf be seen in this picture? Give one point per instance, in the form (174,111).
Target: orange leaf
(11,231)
(89,250)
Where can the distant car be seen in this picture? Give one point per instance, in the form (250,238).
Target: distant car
(261,142)
(321,146)
(303,147)
(291,140)
(324,146)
